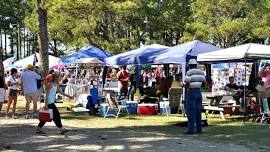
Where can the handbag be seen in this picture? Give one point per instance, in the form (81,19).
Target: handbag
(45,115)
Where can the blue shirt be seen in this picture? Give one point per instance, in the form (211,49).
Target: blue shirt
(29,81)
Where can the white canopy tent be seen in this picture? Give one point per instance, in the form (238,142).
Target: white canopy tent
(90,60)
(240,53)
(244,52)
(30,60)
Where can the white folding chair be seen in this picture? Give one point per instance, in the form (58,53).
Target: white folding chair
(113,104)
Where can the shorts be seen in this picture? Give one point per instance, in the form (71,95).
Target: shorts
(13,93)
(32,97)
(2,94)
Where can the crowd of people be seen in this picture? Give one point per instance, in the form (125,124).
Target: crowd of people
(153,83)
(32,85)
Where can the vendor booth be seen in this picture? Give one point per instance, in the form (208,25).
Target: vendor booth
(86,52)
(158,54)
(247,53)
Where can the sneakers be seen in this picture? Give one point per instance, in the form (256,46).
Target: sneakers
(63,131)
(14,117)
(39,131)
(27,116)
(189,133)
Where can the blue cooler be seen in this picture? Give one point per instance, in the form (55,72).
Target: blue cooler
(132,107)
(103,110)
(163,108)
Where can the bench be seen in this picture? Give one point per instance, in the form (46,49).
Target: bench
(214,108)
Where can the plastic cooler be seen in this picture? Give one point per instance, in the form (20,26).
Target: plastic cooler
(148,109)
(103,110)
(163,106)
(45,115)
(132,107)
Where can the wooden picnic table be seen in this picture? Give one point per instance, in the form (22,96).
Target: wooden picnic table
(216,105)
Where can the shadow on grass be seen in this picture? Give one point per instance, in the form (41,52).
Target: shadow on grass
(23,138)
(139,138)
(250,134)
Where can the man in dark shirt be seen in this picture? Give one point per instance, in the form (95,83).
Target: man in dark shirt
(231,86)
(39,84)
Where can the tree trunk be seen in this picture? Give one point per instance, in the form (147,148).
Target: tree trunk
(24,44)
(43,38)
(18,47)
(1,56)
(5,43)
(12,46)
(55,52)
(1,43)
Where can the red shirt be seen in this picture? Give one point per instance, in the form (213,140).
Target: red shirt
(48,79)
(265,74)
(123,75)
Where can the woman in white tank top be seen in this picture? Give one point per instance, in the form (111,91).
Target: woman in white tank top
(51,90)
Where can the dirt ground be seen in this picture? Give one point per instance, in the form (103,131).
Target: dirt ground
(19,135)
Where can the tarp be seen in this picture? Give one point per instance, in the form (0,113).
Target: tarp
(178,54)
(30,60)
(248,51)
(140,56)
(86,52)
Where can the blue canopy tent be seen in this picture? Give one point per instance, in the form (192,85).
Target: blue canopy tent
(86,52)
(142,55)
(181,53)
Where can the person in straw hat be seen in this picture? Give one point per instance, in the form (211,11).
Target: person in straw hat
(29,86)
(193,82)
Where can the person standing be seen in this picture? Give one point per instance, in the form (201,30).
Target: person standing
(51,89)
(193,82)
(3,85)
(122,77)
(265,75)
(29,86)
(39,86)
(12,85)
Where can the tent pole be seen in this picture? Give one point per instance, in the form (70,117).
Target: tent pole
(245,90)
(76,74)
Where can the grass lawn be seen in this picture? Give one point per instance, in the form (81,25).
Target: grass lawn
(249,134)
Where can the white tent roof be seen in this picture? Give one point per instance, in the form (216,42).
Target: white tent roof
(30,59)
(248,51)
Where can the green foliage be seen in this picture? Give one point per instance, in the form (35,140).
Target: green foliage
(115,25)
(121,25)
(230,22)
(12,12)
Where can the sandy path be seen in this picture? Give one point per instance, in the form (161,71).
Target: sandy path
(19,135)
